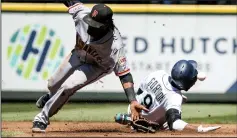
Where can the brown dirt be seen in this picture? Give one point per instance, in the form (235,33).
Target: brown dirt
(100,129)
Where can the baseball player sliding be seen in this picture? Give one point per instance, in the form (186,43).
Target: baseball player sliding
(98,52)
(161,94)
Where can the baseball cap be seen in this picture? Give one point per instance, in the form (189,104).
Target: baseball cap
(99,16)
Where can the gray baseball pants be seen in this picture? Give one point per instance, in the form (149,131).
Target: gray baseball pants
(71,76)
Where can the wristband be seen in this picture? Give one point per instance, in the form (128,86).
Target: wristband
(130,94)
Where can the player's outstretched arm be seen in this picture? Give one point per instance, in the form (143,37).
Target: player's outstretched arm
(200,128)
(127,83)
(76,9)
(173,118)
(123,72)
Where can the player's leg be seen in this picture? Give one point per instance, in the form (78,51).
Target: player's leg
(157,114)
(82,76)
(56,80)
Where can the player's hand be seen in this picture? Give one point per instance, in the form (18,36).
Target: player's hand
(207,129)
(136,108)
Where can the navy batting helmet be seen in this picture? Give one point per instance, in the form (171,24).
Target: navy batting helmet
(184,74)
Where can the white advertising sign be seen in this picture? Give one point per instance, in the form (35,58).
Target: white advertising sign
(34,44)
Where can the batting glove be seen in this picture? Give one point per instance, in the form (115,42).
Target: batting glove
(201,129)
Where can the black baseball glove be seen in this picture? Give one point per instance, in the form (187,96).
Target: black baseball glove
(69,3)
(144,125)
(140,125)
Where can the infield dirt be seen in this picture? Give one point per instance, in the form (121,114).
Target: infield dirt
(101,129)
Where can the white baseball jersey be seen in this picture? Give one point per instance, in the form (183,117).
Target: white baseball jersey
(158,96)
(108,52)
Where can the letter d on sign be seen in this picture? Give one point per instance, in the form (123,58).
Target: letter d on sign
(141,43)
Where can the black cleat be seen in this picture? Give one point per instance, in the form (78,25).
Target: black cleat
(42,100)
(38,127)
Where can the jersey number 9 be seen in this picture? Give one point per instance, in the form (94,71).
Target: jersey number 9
(147,101)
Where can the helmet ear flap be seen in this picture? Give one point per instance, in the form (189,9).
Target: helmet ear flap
(175,83)
(191,83)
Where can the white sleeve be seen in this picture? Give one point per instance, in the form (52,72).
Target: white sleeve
(121,67)
(179,125)
(174,101)
(145,81)
(78,11)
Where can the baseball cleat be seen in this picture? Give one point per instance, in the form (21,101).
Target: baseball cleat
(38,127)
(42,100)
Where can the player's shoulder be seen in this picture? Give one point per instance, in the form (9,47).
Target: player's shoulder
(164,78)
(157,75)
(117,39)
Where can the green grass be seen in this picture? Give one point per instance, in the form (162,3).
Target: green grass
(227,119)
(11,133)
(192,113)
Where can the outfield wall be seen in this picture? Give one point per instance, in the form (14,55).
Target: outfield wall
(36,37)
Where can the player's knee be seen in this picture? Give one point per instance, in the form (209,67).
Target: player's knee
(71,88)
(67,88)
(171,116)
(51,85)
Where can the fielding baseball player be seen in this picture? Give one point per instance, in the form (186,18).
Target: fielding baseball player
(161,94)
(98,51)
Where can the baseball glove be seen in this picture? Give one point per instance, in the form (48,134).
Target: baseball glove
(144,125)
(69,3)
